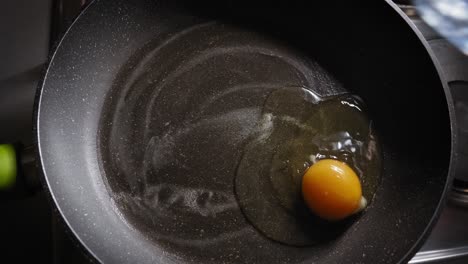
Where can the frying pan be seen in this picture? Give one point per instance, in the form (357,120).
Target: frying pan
(96,107)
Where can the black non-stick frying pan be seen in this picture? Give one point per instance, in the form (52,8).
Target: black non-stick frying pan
(129,74)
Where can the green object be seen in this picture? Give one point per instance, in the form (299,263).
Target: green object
(7,166)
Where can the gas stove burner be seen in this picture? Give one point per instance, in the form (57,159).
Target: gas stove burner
(460,193)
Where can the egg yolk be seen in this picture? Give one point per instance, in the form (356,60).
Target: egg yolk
(332,190)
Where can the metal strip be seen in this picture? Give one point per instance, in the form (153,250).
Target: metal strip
(435,255)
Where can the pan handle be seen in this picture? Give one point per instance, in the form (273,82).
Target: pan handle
(8,166)
(18,172)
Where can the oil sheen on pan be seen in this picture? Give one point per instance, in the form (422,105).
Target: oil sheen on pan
(206,135)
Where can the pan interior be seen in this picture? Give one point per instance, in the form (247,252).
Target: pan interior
(182,109)
(180,120)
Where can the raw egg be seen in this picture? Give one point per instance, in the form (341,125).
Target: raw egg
(332,190)
(308,164)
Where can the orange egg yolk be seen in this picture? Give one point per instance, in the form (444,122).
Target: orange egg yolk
(332,190)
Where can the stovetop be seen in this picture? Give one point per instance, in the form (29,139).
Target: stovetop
(29,227)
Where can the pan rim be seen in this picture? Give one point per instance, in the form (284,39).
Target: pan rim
(454,134)
(38,150)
